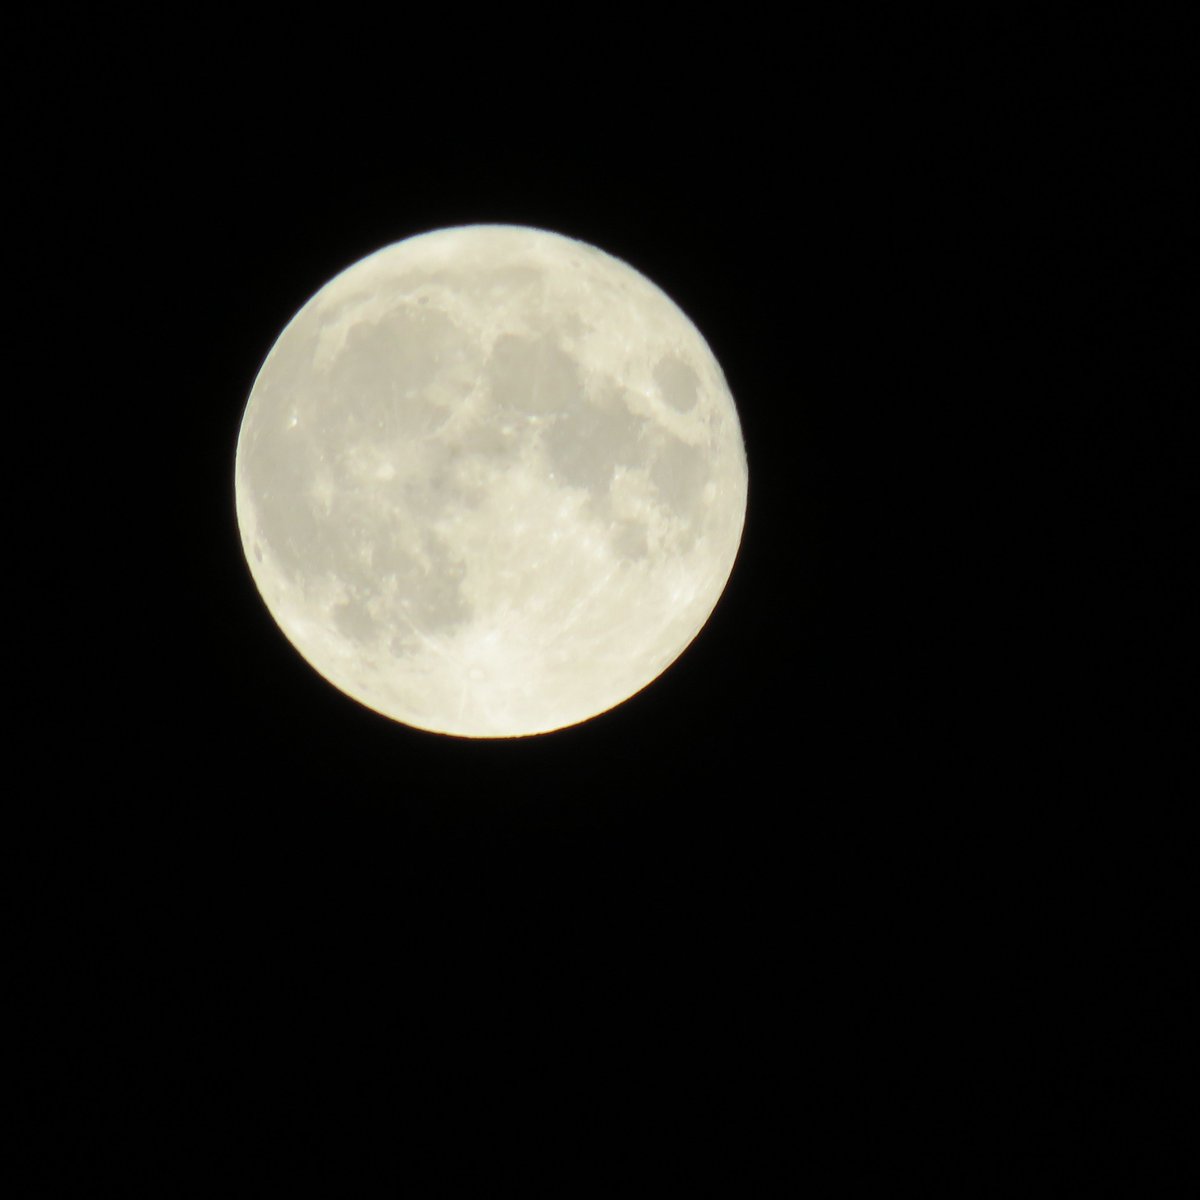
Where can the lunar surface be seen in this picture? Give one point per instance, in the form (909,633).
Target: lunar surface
(490,481)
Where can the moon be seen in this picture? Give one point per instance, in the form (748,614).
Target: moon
(490,481)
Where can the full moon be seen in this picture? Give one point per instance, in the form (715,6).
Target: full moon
(490,481)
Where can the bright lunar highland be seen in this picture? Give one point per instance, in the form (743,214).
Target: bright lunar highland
(490,481)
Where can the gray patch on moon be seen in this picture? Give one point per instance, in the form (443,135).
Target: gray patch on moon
(587,443)
(422,589)
(680,472)
(532,375)
(353,619)
(379,385)
(489,442)
(678,384)
(629,541)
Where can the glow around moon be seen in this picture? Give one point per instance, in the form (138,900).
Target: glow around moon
(490,481)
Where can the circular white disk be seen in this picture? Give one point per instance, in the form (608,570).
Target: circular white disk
(490,481)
